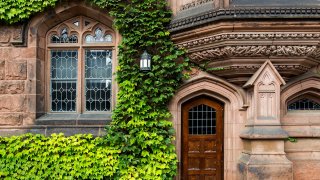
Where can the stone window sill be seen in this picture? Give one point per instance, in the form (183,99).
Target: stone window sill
(74,119)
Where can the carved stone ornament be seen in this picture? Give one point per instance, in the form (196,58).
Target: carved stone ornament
(282,67)
(248,37)
(193,4)
(255,51)
(11,35)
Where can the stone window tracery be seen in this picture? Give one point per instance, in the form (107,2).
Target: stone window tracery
(64,37)
(304,104)
(80,77)
(98,37)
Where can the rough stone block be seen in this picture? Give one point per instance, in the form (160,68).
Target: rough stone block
(5,53)
(11,87)
(10,119)
(254,167)
(270,172)
(28,52)
(12,103)
(2,72)
(29,119)
(16,70)
(12,132)
(306,170)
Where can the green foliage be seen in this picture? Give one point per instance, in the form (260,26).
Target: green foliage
(12,11)
(292,139)
(140,129)
(56,157)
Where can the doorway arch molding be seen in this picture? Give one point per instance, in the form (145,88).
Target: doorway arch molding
(234,102)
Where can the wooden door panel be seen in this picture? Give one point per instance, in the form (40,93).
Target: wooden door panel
(202,177)
(210,163)
(209,146)
(210,177)
(194,177)
(202,140)
(194,146)
(194,163)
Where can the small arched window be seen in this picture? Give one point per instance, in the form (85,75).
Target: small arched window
(80,60)
(303,104)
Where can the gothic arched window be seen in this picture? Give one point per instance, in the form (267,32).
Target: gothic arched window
(303,104)
(80,60)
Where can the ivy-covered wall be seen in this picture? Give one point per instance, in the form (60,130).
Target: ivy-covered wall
(138,144)
(56,157)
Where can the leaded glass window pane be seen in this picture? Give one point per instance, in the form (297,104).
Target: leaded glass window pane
(98,37)
(64,65)
(304,104)
(64,37)
(202,120)
(98,76)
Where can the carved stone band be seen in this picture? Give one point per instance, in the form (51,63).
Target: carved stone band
(255,51)
(250,37)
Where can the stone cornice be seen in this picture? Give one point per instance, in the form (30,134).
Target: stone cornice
(252,37)
(255,51)
(243,13)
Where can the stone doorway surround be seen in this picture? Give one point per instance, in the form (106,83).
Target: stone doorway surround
(234,115)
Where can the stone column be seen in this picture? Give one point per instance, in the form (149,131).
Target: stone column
(263,156)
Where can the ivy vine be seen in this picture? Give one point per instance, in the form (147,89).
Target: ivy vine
(140,128)
(13,11)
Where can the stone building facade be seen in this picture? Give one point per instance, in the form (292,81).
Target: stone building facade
(255,83)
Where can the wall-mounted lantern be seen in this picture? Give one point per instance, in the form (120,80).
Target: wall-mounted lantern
(145,62)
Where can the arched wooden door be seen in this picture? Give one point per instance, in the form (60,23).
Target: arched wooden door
(202,144)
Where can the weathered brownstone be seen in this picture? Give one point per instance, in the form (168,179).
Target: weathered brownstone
(306,169)
(12,103)
(10,119)
(2,72)
(31,69)
(16,69)
(11,87)
(31,104)
(5,53)
(28,52)
(29,118)
(4,35)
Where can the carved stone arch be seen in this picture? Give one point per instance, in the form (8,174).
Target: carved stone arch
(36,31)
(300,87)
(234,115)
(39,25)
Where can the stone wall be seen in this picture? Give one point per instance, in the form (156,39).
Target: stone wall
(15,84)
(23,76)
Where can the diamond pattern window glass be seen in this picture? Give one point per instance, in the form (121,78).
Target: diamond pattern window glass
(98,78)
(304,104)
(64,66)
(202,120)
